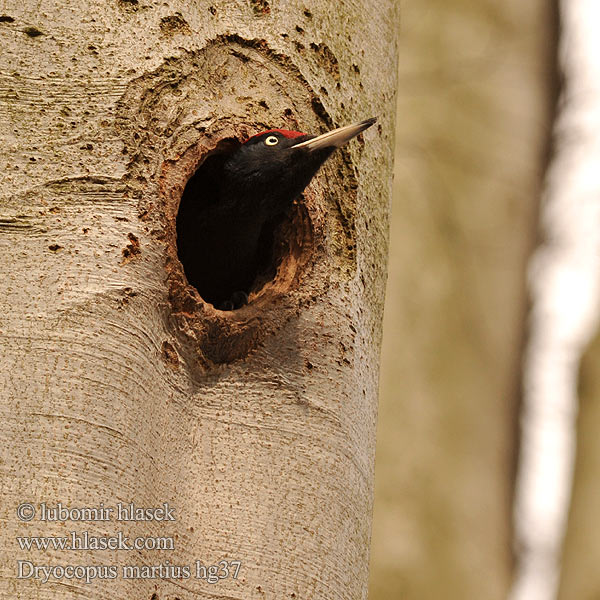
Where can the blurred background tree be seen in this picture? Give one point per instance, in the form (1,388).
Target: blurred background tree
(476,96)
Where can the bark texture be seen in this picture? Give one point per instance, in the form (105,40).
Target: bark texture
(118,383)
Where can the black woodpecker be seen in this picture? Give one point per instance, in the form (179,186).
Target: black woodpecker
(233,202)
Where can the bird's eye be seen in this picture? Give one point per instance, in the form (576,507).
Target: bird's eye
(271,140)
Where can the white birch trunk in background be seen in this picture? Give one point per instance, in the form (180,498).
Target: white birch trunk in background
(118,383)
(565,278)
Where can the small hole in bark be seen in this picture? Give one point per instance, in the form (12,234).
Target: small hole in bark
(213,240)
(32,32)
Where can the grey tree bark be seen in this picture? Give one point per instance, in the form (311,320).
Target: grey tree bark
(120,385)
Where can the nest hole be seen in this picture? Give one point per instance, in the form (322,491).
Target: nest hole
(207,234)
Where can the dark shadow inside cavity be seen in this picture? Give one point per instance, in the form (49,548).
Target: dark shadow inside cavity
(206,238)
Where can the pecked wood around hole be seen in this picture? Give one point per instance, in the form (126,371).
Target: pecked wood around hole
(168,119)
(211,336)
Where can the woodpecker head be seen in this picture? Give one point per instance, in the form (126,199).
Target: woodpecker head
(231,208)
(274,167)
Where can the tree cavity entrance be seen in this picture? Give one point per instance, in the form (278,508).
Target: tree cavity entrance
(213,237)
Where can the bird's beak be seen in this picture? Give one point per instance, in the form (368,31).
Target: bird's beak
(337,137)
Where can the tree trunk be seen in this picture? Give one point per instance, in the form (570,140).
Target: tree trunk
(252,429)
(474,124)
(581,552)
